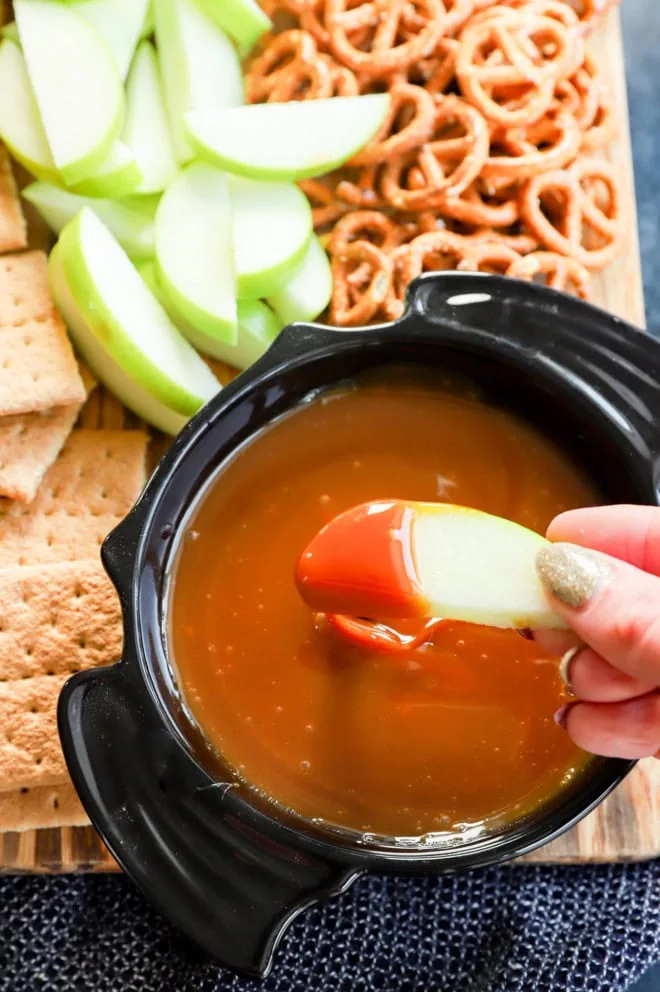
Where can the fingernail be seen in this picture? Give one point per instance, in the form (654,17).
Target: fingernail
(561,716)
(564,669)
(526,634)
(569,573)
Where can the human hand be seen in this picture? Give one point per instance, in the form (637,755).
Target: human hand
(603,579)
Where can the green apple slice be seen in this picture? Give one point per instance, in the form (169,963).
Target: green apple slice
(200,67)
(148,24)
(308,291)
(125,387)
(194,250)
(258,326)
(287,140)
(244,20)
(75,83)
(272,225)
(125,320)
(129,222)
(20,125)
(119,175)
(120,24)
(146,128)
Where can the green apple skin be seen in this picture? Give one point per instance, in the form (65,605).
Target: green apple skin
(131,224)
(287,141)
(20,124)
(188,383)
(91,348)
(194,250)
(70,66)
(120,24)
(200,67)
(272,225)
(148,25)
(244,20)
(10,32)
(258,326)
(146,126)
(309,290)
(119,176)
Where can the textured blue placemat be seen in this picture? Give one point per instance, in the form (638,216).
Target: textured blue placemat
(498,930)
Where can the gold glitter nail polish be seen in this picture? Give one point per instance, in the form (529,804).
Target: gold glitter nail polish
(570,573)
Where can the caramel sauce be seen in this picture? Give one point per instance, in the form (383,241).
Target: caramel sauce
(458,730)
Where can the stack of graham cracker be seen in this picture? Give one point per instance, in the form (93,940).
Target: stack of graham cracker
(62,489)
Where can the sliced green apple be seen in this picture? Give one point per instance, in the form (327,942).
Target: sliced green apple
(200,67)
(123,326)
(118,176)
(146,128)
(258,326)
(194,250)
(272,225)
(435,560)
(120,24)
(244,20)
(148,24)
(75,82)
(20,125)
(287,140)
(308,291)
(130,223)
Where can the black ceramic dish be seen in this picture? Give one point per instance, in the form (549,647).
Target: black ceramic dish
(229,870)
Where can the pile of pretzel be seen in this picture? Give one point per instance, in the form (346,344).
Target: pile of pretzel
(489,158)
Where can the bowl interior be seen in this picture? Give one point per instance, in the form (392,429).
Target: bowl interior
(563,407)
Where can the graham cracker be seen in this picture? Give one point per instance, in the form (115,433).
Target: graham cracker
(30,752)
(13,228)
(38,369)
(41,808)
(57,620)
(30,443)
(84,495)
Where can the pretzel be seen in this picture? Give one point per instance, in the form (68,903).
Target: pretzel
(549,144)
(578,214)
(591,13)
(326,209)
(361,189)
(353,306)
(436,72)
(365,225)
(471,207)
(284,56)
(561,273)
(440,250)
(384,52)
(414,109)
(445,166)
(488,256)
(509,62)
(521,244)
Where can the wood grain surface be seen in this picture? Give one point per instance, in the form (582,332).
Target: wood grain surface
(624,828)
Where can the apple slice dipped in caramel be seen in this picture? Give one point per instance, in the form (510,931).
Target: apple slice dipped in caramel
(402,560)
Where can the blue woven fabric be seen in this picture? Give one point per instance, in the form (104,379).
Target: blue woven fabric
(499,930)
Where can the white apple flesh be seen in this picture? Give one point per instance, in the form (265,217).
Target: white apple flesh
(121,315)
(200,67)
(146,127)
(75,83)
(130,222)
(118,176)
(120,24)
(308,291)
(272,225)
(20,124)
(194,250)
(287,141)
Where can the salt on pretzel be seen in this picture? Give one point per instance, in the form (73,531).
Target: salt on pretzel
(559,272)
(353,306)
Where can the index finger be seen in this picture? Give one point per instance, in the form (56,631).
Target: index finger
(629,533)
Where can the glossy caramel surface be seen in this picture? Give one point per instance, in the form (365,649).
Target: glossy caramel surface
(453,733)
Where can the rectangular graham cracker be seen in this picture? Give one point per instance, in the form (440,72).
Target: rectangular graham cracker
(38,369)
(57,620)
(84,495)
(13,229)
(30,443)
(41,808)
(30,752)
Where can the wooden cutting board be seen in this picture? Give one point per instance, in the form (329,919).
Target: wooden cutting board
(627,826)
